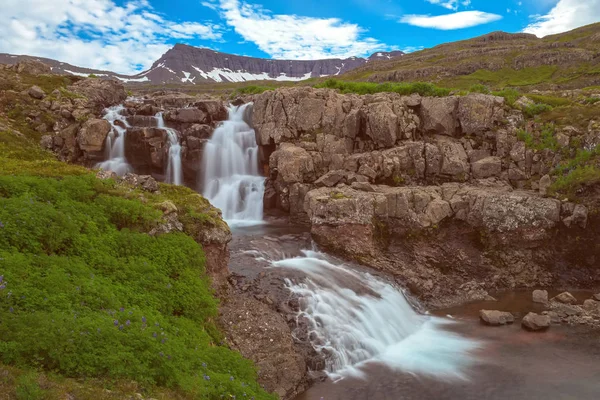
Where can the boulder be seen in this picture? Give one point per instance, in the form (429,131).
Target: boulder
(92,135)
(145,182)
(480,113)
(536,322)
(496,318)
(293,164)
(591,305)
(540,296)
(565,298)
(545,182)
(47,142)
(486,167)
(36,92)
(438,115)
(524,102)
(190,115)
(99,93)
(382,125)
(331,178)
(364,186)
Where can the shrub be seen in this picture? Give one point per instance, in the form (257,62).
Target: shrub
(479,88)
(253,89)
(546,139)
(535,109)
(422,88)
(510,95)
(28,387)
(85,294)
(576,178)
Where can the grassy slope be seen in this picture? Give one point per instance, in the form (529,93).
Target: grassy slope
(89,302)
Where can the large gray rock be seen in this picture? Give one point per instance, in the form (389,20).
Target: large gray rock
(480,113)
(536,322)
(92,135)
(439,115)
(496,318)
(486,167)
(36,92)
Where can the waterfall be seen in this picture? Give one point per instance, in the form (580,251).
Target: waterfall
(355,318)
(115,142)
(174,170)
(231,178)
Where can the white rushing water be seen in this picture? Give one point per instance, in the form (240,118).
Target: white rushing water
(115,142)
(356,319)
(174,173)
(231,178)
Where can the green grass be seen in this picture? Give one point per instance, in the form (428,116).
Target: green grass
(578,177)
(253,89)
(549,100)
(424,89)
(545,140)
(536,109)
(479,88)
(505,77)
(86,293)
(510,95)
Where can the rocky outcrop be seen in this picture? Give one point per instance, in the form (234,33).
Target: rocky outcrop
(99,93)
(92,135)
(433,190)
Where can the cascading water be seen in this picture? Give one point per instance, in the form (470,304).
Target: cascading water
(355,318)
(174,170)
(230,164)
(115,142)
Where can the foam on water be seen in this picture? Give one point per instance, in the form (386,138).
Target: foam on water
(356,318)
(231,178)
(115,142)
(174,173)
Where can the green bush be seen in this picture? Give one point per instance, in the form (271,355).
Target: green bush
(479,88)
(546,139)
(535,109)
(509,94)
(253,89)
(84,293)
(422,88)
(579,176)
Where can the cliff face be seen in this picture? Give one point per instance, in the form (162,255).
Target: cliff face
(441,192)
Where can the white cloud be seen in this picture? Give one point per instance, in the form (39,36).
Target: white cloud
(564,16)
(412,49)
(449,4)
(297,37)
(93,33)
(458,20)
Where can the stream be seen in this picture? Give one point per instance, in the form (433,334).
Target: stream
(380,348)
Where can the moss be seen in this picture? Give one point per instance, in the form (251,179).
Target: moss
(338,195)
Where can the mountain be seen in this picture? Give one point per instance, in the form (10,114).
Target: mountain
(189,64)
(498,59)
(193,65)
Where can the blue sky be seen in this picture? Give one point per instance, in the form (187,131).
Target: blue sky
(128,35)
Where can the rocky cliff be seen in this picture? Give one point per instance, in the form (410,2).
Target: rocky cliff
(440,191)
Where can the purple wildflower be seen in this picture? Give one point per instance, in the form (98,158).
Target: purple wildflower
(231,378)
(127,322)
(161,354)
(164,340)
(144,319)
(154,334)
(203,365)
(1,278)
(2,287)
(116,322)
(11,309)
(122,309)
(206,378)
(120,327)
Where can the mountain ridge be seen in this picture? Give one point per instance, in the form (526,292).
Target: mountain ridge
(194,65)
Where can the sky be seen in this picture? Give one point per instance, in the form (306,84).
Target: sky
(127,36)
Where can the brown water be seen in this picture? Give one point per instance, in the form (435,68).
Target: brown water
(511,363)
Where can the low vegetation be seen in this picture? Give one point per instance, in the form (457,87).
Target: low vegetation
(573,174)
(545,140)
(424,89)
(87,296)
